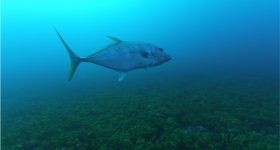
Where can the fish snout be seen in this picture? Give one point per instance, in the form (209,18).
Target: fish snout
(168,57)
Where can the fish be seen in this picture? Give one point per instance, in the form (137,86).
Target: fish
(121,56)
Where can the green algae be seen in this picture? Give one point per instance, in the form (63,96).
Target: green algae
(197,115)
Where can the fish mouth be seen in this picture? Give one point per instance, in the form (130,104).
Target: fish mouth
(168,58)
(163,61)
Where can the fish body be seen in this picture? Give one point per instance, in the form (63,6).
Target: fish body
(121,56)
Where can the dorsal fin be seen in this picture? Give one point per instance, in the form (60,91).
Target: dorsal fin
(115,40)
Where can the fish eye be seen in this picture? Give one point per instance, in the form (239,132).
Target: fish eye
(160,49)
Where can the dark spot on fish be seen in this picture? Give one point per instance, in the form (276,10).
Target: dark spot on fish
(144,54)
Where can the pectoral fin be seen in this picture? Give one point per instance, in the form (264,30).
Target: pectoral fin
(122,75)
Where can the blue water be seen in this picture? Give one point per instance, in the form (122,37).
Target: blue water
(220,47)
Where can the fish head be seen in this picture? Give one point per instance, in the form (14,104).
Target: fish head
(159,56)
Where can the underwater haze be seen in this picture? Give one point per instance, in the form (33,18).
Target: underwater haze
(220,90)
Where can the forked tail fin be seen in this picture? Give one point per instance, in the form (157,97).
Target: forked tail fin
(75,60)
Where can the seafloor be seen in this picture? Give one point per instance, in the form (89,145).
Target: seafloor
(175,114)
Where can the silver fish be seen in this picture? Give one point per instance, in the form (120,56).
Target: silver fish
(121,56)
